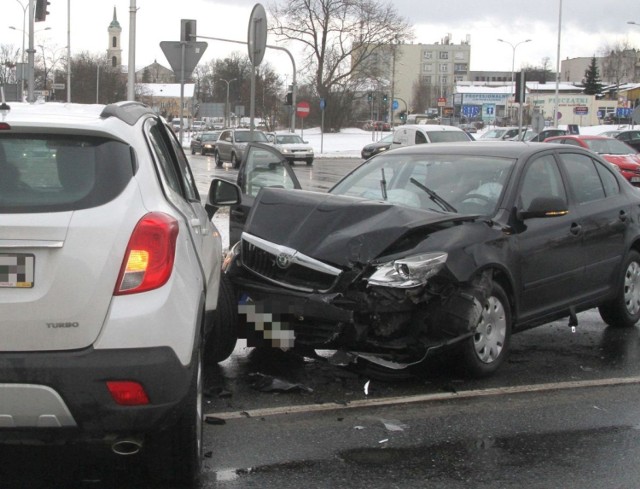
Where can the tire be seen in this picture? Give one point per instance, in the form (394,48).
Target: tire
(203,152)
(624,310)
(309,161)
(193,151)
(224,334)
(216,156)
(486,350)
(234,161)
(175,454)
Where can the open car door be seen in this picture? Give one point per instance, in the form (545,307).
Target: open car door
(262,166)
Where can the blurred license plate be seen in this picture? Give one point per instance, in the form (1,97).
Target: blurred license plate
(635,179)
(17,270)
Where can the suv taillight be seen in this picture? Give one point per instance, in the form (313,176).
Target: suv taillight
(148,261)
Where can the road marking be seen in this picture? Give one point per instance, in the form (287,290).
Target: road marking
(440,396)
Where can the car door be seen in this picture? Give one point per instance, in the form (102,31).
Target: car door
(180,189)
(223,146)
(605,218)
(551,263)
(262,166)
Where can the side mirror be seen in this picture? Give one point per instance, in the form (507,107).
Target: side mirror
(221,193)
(544,207)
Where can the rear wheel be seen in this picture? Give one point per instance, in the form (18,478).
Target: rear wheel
(624,310)
(216,156)
(203,152)
(223,336)
(234,161)
(176,454)
(309,161)
(485,351)
(193,150)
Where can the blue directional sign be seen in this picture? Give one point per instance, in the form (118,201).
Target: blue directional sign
(395,105)
(323,104)
(471,111)
(623,111)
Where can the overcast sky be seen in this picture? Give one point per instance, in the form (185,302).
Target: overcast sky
(587,26)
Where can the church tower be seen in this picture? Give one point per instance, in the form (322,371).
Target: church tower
(114,52)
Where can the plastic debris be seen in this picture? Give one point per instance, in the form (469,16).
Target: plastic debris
(366,388)
(267,383)
(358,427)
(393,425)
(384,441)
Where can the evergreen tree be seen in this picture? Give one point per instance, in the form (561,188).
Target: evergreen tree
(592,82)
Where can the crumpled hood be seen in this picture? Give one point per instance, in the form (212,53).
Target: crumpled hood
(332,228)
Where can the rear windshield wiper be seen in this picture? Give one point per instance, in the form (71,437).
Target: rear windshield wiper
(434,196)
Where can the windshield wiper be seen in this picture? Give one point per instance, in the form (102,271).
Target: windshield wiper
(434,196)
(383,185)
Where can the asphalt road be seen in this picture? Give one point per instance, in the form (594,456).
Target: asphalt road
(562,412)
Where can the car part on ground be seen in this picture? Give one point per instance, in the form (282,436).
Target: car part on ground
(435,248)
(109,283)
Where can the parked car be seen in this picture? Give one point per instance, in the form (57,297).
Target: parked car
(631,137)
(429,248)
(204,143)
(499,134)
(110,287)
(372,149)
(623,156)
(610,134)
(232,142)
(292,147)
(411,134)
(531,136)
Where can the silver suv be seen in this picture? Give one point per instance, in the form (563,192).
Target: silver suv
(110,291)
(232,143)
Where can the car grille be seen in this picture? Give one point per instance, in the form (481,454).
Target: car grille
(285,266)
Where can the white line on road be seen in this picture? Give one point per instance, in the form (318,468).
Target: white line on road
(441,396)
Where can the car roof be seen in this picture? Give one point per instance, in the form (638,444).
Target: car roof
(430,127)
(578,136)
(506,149)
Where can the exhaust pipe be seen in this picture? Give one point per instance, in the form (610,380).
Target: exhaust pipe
(126,446)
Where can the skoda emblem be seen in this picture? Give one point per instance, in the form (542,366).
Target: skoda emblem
(284,260)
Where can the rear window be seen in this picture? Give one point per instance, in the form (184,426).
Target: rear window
(447,136)
(54,173)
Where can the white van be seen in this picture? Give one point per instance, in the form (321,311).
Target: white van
(410,134)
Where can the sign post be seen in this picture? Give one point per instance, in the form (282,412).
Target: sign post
(257,44)
(323,104)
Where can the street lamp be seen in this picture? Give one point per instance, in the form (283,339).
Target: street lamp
(226,107)
(513,60)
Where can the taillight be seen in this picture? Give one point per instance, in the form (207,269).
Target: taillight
(150,254)
(127,393)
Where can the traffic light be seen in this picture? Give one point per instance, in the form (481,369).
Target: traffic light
(403,116)
(385,99)
(369,97)
(41,10)
(520,84)
(288,100)
(187,30)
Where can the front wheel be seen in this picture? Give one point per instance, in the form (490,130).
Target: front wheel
(223,335)
(624,310)
(193,150)
(309,161)
(216,157)
(235,163)
(484,352)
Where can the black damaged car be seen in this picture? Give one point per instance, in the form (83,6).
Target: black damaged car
(434,247)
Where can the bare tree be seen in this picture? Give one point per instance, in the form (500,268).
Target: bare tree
(618,64)
(339,38)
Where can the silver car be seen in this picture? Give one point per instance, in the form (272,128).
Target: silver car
(110,286)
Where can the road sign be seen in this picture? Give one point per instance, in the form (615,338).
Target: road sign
(303,109)
(442,101)
(537,122)
(257,34)
(581,110)
(623,112)
(471,111)
(57,86)
(193,51)
(323,104)
(395,105)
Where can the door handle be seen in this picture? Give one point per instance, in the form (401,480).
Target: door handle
(196,225)
(622,216)
(576,229)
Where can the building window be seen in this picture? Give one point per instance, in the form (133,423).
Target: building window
(444,80)
(114,42)
(460,67)
(443,55)
(444,68)
(427,68)
(426,79)
(427,54)
(458,55)
(114,62)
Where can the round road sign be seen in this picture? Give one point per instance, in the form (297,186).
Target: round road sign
(302,109)
(257,34)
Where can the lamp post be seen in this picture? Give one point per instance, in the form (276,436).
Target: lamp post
(24,31)
(226,107)
(513,62)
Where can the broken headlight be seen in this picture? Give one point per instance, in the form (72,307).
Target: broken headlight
(408,272)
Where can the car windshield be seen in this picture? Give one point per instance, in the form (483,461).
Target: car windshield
(289,139)
(609,147)
(466,184)
(245,137)
(447,136)
(210,137)
(387,139)
(494,134)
